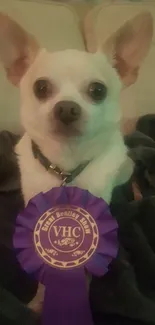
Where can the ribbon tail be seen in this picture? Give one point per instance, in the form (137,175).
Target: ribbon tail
(66,299)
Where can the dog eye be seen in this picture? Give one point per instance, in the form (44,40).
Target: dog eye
(42,89)
(97,91)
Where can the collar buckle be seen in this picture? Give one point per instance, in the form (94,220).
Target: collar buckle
(59,172)
(65,177)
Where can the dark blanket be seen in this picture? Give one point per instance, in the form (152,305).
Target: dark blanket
(129,288)
(15,285)
(126,295)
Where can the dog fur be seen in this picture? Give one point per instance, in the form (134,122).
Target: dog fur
(71,71)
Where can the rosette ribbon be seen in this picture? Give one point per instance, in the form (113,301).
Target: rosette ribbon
(61,236)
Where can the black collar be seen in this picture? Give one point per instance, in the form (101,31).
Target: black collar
(66,177)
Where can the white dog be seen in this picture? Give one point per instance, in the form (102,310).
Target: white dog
(70,105)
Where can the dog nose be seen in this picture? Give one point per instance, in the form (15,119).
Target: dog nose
(67,111)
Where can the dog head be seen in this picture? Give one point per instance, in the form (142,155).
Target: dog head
(70,99)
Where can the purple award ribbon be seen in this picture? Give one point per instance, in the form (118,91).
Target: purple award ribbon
(61,235)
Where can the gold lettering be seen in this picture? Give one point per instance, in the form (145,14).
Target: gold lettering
(57,230)
(51,219)
(66,231)
(85,225)
(59,214)
(75,230)
(44,228)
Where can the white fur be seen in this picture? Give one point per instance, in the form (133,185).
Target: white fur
(71,71)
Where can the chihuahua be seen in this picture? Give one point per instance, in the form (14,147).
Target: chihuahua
(70,106)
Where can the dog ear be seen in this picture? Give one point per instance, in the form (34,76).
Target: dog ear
(126,48)
(18,49)
(90,29)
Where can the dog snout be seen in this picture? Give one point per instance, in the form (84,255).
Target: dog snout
(67,112)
